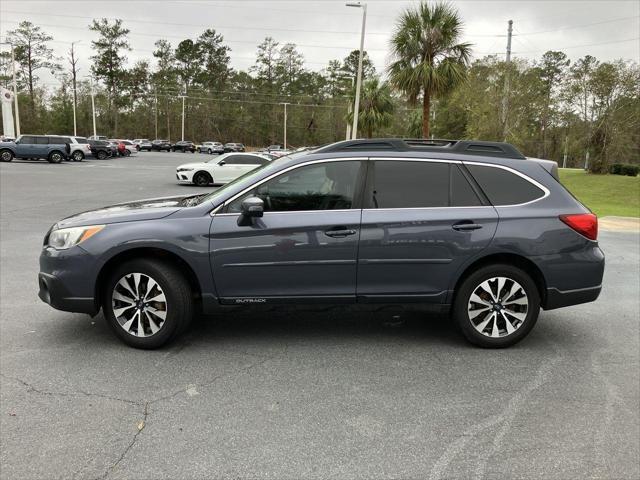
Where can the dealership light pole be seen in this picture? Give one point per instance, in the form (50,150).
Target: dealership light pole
(183,97)
(93,107)
(285,124)
(356,106)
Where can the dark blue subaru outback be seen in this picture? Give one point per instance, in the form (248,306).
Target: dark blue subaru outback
(474,227)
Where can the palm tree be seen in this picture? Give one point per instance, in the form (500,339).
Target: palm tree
(426,57)
(376,106)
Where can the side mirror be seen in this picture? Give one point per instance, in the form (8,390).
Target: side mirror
(252,207)
(222,162)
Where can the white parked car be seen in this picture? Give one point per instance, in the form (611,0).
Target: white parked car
(79,147)
(211,147)
(220,169)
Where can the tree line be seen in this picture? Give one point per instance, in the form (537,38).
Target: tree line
(581,113)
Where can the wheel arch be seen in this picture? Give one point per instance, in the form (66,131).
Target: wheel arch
(510,259)
(155,253)
(208,174)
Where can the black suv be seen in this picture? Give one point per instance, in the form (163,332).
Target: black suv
(470,227)
(183,146)
(160,145)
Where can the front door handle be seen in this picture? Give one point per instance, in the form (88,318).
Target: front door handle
(466,226)
(339,232)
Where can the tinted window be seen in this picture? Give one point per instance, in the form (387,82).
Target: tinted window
(245,160)
(503,187)
(462,194)
(27,140)
(81,140)
(328,186)
(59,140)
(42,140)
(399,184)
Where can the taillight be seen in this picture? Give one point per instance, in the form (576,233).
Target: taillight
(584,223)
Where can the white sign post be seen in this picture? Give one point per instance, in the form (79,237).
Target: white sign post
(7,113)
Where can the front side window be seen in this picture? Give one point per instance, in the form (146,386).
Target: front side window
(27,140)
(327,186)
(503,187)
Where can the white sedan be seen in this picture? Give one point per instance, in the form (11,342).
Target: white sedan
(220,169)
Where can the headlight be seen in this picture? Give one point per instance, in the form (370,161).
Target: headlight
(68,237)
(185,169)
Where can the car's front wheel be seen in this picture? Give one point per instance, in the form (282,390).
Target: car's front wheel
(209,151)
(101,154)
(78,156)
(496,306)
(147,303)
(202,179)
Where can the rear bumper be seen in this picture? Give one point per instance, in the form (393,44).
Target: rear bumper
(563,298)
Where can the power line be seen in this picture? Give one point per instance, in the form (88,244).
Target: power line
(583,45)
(571,27)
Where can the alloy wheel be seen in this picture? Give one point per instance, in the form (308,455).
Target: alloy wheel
(498,307)
(7,156)
(139,305)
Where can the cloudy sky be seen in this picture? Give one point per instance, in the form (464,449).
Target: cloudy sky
(325,30)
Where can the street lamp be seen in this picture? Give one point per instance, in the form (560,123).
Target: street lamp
(183,97)
(93,108)
(356,106)
(285,123)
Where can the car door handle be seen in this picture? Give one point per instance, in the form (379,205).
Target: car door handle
(339,232)
(466,226)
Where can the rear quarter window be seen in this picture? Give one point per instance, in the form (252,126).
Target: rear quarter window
(503,187)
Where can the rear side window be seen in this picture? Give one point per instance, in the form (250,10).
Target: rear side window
(399,184)
(41,141)
(81,140)
(404,184)
(503,187)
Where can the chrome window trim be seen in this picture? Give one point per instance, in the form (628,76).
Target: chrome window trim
(292,167)
(544,189)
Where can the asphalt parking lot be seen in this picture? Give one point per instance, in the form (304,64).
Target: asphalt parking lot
(296,395)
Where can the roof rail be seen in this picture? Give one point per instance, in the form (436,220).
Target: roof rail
(461,147)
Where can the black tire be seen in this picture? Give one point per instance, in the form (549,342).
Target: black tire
(127,153)
(77,156)
(102,154)
(179,302)
(202,179)
(6,155)
(474,280)
(55,157)
(209,151)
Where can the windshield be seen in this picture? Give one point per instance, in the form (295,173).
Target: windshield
(247,179)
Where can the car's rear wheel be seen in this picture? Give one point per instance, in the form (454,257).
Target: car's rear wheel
(147,303)
(202,179)
(77,156)
(55,157)
(127,153)
(496,306)
(6,155)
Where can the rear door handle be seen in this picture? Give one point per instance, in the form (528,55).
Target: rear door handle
(339,232)
(466,226)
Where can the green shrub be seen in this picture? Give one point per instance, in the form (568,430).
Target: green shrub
(624,169)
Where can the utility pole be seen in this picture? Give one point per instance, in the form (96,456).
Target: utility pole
(564,157)
(285,124)
(505,98)
(93,108)
(74,72)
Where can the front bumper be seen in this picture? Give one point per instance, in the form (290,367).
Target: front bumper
(67,280)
